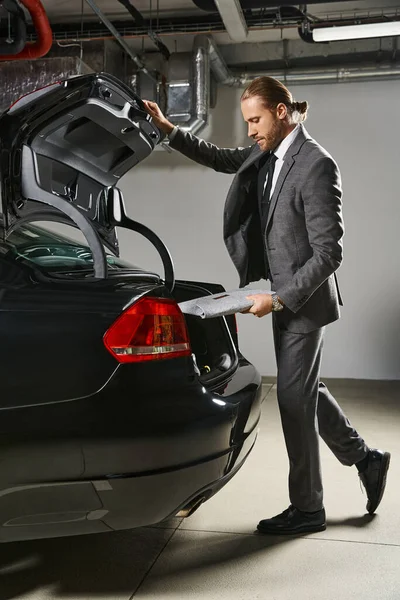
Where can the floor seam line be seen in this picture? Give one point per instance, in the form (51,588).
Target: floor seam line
(152,564)
(161,528)
(353,542)
(295,537)
(215,531)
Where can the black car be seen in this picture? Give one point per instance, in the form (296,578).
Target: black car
(116,410)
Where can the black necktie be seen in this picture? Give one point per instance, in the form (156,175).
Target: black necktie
(266,170)
(267,192)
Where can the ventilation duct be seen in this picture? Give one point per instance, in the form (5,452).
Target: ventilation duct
(189,89)
(188,85)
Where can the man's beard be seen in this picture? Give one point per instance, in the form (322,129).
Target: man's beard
(275,136)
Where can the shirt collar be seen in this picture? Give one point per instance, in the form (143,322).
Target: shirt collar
(283,147)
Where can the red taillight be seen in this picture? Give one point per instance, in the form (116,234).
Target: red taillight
(151,329)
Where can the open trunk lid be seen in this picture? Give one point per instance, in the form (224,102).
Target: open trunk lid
(63,150)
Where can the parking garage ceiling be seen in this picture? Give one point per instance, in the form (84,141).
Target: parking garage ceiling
(61,11)
(187,13)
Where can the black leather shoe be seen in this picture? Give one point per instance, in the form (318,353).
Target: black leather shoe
(374,478)
(293,521)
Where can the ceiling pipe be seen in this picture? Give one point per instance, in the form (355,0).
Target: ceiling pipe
(121,41)
(45,36)
(140,22)
(305,32)
(326,75)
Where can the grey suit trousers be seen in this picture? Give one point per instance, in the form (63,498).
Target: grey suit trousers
(308,410)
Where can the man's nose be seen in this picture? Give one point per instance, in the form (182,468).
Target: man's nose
(251,131)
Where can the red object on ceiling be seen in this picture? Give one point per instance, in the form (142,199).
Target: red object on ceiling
(43,30)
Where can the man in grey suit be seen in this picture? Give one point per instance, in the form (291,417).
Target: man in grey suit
(283,222)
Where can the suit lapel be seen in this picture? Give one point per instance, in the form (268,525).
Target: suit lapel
(254,156)
(289,160)
(287,165)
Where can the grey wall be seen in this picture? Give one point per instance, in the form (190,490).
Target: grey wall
(183,203)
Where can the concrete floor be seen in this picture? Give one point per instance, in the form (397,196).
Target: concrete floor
(217,555)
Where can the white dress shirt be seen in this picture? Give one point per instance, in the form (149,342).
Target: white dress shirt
(280,152)
(173,133)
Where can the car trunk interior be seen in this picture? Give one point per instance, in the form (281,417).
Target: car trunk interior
(213,340)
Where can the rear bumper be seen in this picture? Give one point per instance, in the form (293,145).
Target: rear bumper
(142,466)
(78,508)
(147,500)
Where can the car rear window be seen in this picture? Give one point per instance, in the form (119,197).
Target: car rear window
(54,252)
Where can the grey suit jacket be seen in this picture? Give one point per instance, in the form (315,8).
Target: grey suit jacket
(303,236)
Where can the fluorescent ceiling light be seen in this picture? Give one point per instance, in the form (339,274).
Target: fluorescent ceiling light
(356,32)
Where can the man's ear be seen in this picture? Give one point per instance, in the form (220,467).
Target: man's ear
(281,111)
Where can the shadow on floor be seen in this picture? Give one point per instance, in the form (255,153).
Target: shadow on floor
(116,563)
(84,566)
(351,521)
